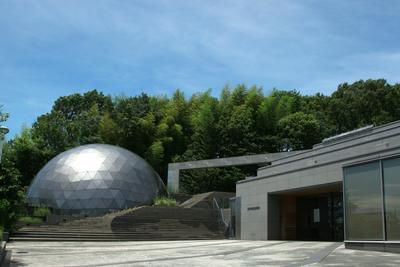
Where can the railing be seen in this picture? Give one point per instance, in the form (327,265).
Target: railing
(221,218)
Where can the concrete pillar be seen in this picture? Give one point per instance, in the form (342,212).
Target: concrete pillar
(173,180)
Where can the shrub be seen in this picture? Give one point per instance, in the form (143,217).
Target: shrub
(165,201)
(30,220)
(12,196)
(41,211)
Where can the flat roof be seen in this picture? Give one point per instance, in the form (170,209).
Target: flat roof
(354,138)
(314,151)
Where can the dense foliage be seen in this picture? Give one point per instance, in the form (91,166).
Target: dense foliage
(11,191)
(11,194)
(241,121)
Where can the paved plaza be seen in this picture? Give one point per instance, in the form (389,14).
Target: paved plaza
(194,253)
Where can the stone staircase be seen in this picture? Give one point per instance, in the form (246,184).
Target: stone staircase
(138,224)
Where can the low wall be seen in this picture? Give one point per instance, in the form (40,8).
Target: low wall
(382,246)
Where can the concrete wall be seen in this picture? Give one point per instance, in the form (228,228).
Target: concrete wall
(320,166)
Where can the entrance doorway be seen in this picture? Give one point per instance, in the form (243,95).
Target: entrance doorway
(312,214)
(320,217)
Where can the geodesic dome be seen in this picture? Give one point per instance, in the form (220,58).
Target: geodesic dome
(95,179)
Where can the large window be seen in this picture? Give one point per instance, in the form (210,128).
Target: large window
(370,213)
(363,195)
(391,178)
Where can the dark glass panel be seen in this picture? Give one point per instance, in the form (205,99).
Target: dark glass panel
(391,178)
(363,197)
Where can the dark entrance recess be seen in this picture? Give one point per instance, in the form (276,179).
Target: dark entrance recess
(320,217)
(310,214)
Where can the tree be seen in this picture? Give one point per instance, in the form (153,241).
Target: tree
(74,120)
(175,126)
(239,135)
(135,123)
(301,131)
(212,179)
(318,105)
(3,115)
(155,154)
(237,126)
(204,140)
(362,103)
(72,106)
(26,155)
(108,129)
(11,194)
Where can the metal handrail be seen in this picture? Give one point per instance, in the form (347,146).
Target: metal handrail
(221,217)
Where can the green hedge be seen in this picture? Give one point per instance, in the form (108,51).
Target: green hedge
(30,220)
(41,211)
(165,201)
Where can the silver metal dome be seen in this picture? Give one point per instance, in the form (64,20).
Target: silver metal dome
(95,179)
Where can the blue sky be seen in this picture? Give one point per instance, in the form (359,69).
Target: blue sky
(54,48)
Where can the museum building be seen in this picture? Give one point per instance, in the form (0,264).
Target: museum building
(345,188)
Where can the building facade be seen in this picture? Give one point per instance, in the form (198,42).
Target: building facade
(345,188)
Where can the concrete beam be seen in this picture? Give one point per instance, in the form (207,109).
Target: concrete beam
(174,168)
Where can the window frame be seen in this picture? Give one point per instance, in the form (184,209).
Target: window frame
(383,195)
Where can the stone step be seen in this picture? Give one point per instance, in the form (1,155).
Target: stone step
(201,232)
(129,237)
(125,230)
(136,226)
(130,227)
(168,231)
(116,233)
(61,239)
(145,223)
